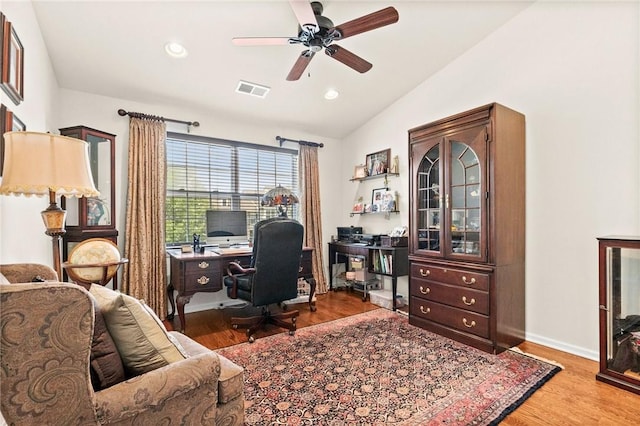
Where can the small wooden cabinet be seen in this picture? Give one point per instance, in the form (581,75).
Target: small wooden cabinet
(619,292)
(467,227)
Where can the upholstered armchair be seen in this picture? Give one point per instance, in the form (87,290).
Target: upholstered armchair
(272,277)
(45,379)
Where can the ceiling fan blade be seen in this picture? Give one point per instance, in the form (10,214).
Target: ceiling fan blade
(381,18)
(349,59)
(300,65)
(304,14)
(260,41)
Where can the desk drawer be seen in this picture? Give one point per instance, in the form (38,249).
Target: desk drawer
(460,297)
(203,281)
(458,277)
(200,266)
(202,275)
(466,321)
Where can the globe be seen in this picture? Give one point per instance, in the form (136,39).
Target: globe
(92,258)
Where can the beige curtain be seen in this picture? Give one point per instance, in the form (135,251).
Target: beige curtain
(145,276)
(310,187)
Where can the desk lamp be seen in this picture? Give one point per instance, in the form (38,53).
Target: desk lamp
(43,164)
(280,197)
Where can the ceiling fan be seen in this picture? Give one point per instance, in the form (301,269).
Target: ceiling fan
(316,32)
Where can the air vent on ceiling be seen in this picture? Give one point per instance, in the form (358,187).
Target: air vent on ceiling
(252,89)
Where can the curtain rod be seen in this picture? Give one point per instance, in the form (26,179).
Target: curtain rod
(283,140)
(122,113)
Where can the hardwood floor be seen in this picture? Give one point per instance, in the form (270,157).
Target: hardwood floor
(571,397)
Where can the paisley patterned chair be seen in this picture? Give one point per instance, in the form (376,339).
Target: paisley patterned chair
(46,333)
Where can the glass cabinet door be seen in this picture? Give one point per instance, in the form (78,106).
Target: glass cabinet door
(429,199)
(620,312)
(451,194)
(94,212)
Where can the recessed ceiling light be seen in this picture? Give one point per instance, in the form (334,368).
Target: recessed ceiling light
(175,50)
(331,94)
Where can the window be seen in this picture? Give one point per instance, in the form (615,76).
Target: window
(207,173)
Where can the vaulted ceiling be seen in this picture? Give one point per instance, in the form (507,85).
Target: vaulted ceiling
(116,49)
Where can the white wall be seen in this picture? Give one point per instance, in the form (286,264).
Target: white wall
(21,229)
(573,69)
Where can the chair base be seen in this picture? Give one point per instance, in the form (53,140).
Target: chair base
(257,322)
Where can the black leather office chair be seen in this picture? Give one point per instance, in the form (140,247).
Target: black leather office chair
(273,275)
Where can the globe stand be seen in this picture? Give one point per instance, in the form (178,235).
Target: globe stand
(93,261)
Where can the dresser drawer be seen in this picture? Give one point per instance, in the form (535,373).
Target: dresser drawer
(467,321)
(459,277)
(453,295)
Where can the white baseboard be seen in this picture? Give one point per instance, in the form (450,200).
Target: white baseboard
(562,346)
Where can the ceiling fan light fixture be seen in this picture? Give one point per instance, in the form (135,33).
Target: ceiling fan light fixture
(331,94)
(175,50)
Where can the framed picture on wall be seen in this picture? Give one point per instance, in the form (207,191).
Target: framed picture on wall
(12,54)
(378,162)
(8,123)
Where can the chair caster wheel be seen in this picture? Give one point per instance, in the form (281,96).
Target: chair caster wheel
(251,339)
(292,332)
(234,326)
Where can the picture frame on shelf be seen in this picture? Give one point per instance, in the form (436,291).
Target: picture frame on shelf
(377,198)
(9,122)
(388,201)
(378,162)
(12,53)
(360,171)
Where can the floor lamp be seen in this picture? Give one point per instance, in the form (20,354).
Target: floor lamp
(43,164)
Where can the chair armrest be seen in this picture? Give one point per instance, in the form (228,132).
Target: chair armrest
(234,268)
(46,341)
(185,390)
(233,271)
(26,272)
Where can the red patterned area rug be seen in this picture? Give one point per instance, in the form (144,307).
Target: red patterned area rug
(376,369)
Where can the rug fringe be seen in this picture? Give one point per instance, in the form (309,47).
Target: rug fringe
(539,358)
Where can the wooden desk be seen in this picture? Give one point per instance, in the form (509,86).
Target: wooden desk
(339,252)
(193,273)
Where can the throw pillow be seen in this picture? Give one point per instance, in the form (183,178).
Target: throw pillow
(106,364)
(142,341)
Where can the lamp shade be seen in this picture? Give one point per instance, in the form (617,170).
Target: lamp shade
(36,163)
(279,196)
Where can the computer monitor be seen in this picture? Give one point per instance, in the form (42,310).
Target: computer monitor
(227,227)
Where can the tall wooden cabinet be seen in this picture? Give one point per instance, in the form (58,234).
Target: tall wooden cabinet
(93,217)
(467,227)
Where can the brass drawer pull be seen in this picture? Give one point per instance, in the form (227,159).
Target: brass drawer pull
(469,303)
(423,273)
(203,280)
(466,324)
(424,311)
(203,265)
(425,290)
(472,281)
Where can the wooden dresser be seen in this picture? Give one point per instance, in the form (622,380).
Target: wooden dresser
(467,227)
